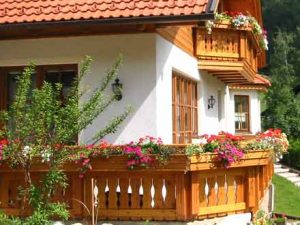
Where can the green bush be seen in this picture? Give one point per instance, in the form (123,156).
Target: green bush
(292,159)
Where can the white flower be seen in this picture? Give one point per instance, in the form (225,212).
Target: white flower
(45,156)
(240,20)
(209,25)
(26,150)
(199,141)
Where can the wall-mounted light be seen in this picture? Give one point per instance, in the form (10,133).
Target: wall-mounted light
(211,102)
(117,89)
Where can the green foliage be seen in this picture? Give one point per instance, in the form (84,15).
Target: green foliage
(262,218)
(292,159)
(282,101)
(6,220)
(283,108)
(194,149)
(38,126)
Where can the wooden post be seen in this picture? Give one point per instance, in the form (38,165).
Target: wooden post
(195,199)
(93,201)
(183,196)
(251,190)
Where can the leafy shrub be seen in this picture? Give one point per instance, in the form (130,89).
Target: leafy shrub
(194,149)
(292,159)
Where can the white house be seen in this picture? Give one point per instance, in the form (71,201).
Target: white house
(177,88)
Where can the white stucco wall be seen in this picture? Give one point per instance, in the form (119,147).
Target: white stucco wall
(170,58)
(209,121)
(255,118)
(137,74)
(149,61)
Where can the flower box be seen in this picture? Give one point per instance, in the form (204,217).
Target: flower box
(207,161)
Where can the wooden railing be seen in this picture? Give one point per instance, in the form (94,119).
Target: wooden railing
(226,47)
(183,189)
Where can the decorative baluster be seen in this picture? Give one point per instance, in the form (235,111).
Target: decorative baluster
(95,193)
(206,191)
(106,190)
(152,190)
(226,189)
(141,189)
(106,186)
(216,191)
(129,192)
(118,190)
(235,190)
(164,191)
(141,193)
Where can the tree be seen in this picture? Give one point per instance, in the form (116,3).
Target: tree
(283,108)
(38,126)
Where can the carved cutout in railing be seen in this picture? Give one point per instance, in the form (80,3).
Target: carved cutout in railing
(123,194)
(220,193)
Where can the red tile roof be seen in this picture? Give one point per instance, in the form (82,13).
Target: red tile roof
(24,11)
(259,79)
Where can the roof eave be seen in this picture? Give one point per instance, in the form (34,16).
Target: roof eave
(178,19)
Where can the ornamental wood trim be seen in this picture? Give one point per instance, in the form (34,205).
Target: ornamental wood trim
(228,49)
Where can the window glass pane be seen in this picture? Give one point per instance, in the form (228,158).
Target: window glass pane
(178,118)
(52,77)
(185,95)
(241,113)
(64,77)
(178,91)
(185,104)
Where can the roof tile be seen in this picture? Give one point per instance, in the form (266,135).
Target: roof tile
(22,11)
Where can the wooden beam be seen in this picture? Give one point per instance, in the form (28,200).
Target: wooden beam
(228,75)
(223,72)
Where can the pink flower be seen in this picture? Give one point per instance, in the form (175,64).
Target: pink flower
(90,147)
(85,162)
(146,160)
(131,163)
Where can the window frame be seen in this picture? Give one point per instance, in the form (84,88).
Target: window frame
(247,130)
(40,78)
(191,106)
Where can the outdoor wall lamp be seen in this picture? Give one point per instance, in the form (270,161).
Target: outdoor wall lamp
(117,89)
(211,102)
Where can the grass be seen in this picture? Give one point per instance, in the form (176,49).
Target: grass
(287,196)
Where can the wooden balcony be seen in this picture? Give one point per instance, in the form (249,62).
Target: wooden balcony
(229,54)
(183,189)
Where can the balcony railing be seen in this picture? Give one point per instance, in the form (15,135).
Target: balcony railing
(183,189)
(227,53)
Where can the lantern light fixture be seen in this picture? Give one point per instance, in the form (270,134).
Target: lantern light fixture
(211,102)
(117,89)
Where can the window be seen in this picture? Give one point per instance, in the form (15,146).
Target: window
(63,74)
(242,121)
(185,110)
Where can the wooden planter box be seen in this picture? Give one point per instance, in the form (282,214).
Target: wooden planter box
(207,161)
